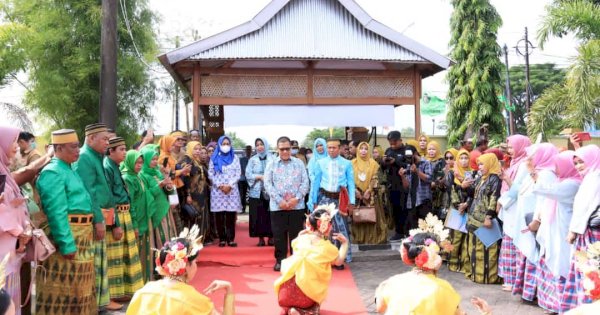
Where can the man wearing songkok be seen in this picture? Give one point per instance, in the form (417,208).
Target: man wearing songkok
(124,266)
(334,183)
(90,169)
(68,207)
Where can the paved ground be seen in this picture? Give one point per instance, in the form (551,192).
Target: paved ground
(369,274)
(383,264)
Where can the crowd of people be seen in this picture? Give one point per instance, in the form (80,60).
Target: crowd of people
(118,220)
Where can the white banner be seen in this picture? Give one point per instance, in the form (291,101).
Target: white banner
(309,115)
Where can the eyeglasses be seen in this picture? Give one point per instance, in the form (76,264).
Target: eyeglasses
(285,149)
(449,158)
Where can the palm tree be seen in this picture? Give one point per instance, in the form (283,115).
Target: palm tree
(17,115)
(576,101)
(474,80)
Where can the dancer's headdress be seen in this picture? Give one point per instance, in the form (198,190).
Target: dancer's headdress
(588,262)
(433,238)
(178,254)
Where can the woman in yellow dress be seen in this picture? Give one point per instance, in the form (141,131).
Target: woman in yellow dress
(420,291)
(176,262)
(305,275)
(366,172)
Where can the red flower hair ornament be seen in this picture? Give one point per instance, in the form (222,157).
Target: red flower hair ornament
(428,259)
(177,254)
(588,262)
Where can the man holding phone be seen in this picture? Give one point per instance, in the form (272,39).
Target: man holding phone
(393,162)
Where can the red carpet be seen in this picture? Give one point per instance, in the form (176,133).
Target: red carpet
(249,269)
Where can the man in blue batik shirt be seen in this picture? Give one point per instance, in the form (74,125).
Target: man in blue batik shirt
(286,183)
(330,174)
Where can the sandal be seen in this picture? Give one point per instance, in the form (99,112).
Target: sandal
(232,244)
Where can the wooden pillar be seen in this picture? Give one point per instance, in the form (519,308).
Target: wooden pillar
(310,96)
(196,96)
(417,95)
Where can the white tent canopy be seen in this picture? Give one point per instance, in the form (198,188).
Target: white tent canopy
(309,115)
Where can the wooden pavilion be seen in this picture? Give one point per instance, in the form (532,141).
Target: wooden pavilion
(302,52)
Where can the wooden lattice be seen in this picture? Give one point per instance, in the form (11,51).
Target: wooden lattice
(362,86)
(254,86)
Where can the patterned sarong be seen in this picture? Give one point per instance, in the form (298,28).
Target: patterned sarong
(339,223)
(526,278)
(482,266)
(146,244)
(68,286)
(165,231)
(124,267)
(549,288)
(574,294)
(507,264)
(458,257)
(101,265)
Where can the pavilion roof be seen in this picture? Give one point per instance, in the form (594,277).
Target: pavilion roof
(309,30)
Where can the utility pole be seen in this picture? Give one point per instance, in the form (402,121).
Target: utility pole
(528,96)
(526,55)
(511,118)
(108,64)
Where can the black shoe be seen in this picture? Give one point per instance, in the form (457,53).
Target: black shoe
(397,237)
(277,266)
(341,267)
(232,244)
(270,242)
(222,243)
(261,243)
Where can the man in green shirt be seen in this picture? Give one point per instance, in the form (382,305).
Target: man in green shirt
(90,169)
(68,207)
(124,266)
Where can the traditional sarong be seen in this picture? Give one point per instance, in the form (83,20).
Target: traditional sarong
(549,288)
(339,223)
(482,263)
(165,231)
(124,267)
(146,244)
(290,295)
(101,264)
(507,264)
(13,288)
(458,257)
(574,294)
(526,278)
(68,286)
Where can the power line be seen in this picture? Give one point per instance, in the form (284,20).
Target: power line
(128,26)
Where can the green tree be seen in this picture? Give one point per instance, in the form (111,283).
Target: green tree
(576,101)
(541,77)
(237,143)
(58,44)
(474,80)
(309,141)
(407,132)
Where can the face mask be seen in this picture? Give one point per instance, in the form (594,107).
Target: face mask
(294,151)
(225,149)
(309,156)
(33,145)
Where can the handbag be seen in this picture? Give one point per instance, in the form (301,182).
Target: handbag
(39,247)
(595,218)
(364,214)
(189,212)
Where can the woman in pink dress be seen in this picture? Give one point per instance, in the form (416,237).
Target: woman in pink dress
(15,227)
